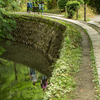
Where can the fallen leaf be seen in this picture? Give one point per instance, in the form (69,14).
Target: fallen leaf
(82,90)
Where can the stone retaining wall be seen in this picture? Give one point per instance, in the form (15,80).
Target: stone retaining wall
(44,35)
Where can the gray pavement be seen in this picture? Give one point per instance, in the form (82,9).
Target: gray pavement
(93,34)
(95,38)
(94,23)
(96,18)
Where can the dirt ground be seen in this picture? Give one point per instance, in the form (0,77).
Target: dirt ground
(85,87)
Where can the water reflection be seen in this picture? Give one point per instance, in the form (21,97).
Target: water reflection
(32,75)
(15,82)
(26,55)
(44,82)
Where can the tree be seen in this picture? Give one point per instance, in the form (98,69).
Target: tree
(85,1)
(62,3)
(81,1)
(15,71)
(7,23)
(71,7)
(51,4)
(95,4)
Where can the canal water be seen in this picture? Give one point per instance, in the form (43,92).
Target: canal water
(15,82)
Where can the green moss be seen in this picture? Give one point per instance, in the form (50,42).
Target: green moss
(39,19)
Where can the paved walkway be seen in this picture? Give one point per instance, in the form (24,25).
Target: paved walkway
(96,18)
(93,34)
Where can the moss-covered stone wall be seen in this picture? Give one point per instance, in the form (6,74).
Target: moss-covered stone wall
(44,35)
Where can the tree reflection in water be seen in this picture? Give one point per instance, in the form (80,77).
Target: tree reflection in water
(15,83)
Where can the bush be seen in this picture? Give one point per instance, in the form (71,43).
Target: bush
(62,3)
(71,7)
(81,1)
(95,4)
(49,5)
(14,5)
(71,13)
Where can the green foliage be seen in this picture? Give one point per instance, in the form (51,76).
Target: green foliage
(10,5)
(95,4)
(22,89)
(1,50)
(49,5)
(86,1)
(14,5)
(62,3)
(7,23)
(81,1)
(71,7)
(71,13)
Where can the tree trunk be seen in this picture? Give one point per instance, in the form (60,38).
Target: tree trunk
(15,71)
(85,12)
(76,12)
(65,10)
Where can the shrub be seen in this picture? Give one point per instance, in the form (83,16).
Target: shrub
(71,7)
(81,1)
(62,3)
(95,4)
(71,13)
(14,5)
(49,5)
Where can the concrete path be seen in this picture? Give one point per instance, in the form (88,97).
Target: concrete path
(94,23)
(96,18)
(93,34)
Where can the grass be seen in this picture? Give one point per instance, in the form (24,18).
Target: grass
(95,77)
(62,81)
(23,8)
(95,74)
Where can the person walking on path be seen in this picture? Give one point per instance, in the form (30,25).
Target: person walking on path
(29,6)
(32,75)
(41,6)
